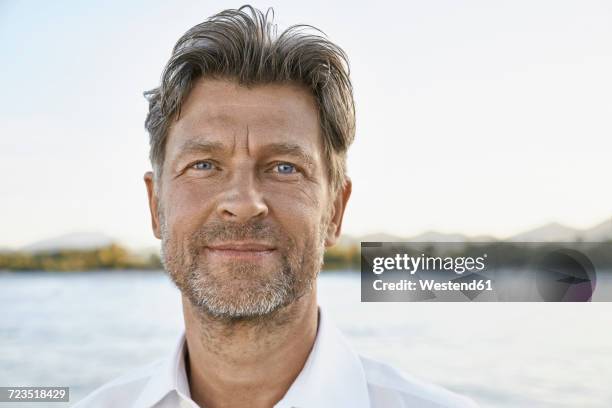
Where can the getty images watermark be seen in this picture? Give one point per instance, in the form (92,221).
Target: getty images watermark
(486,272)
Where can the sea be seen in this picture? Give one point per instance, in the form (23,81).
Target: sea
(82,329)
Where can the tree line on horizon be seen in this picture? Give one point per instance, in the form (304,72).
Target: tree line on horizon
(116,257)
(109,257)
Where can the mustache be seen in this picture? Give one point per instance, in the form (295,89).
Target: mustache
(219,231)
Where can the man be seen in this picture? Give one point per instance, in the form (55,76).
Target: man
(249,132)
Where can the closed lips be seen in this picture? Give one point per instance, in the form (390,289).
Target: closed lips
(242,247)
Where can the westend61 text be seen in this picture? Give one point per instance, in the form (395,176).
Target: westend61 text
(412,264)
(430,284)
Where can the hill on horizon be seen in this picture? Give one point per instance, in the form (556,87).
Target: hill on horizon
(551,232)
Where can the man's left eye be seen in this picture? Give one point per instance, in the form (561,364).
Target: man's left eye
(285,168)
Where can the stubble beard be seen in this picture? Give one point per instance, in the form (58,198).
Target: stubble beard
(242,291)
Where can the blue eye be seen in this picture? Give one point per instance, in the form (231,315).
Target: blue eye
(203,165)
(285,168)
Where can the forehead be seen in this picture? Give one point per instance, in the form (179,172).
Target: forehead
(218,110)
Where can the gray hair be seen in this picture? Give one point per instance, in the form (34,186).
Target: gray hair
(243,45)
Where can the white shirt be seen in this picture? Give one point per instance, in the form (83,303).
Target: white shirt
(334,376)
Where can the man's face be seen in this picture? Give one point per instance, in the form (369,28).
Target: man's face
(245,209)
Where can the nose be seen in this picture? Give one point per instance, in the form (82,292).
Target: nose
(242,200)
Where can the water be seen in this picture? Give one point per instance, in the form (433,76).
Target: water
(83,329)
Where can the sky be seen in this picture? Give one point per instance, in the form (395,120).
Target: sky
(474,117)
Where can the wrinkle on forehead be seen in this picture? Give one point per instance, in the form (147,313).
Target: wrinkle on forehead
(218,110)
(241,119)
(225,100)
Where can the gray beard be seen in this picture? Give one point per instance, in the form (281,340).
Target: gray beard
(244,295)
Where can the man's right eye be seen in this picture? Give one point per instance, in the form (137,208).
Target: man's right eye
(203,165)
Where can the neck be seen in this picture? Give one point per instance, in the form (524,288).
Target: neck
(248,363)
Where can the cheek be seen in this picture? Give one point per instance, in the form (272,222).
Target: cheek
(307,197)
(298,211)
(188,205)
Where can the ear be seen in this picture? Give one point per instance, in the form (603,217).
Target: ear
(339,205)
(153,203)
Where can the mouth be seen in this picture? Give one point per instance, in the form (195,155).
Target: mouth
(241,250)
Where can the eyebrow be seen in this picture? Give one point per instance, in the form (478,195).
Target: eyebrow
(290,149)
(199,146)
(286,149)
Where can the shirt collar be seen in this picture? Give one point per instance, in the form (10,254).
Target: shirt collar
(332,376)
(169,376)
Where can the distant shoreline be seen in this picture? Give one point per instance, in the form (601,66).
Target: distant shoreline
(116,257)
(346,257)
